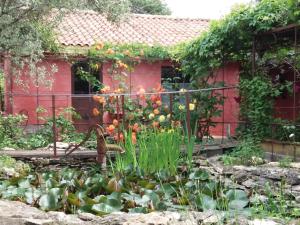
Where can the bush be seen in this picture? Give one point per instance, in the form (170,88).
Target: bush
(248,152)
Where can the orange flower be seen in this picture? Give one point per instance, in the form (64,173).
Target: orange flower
(122,65)
(118,91)
(153,98)
(155,124)
(159,88)
(119,137)
(141,93)
(115,122)
(110,51)
(156,111)
(130,116)
(99,46)
(105,89)
(126,52)
(96,98)
(101,100)
(110,129)
(96,112)
(158,102)
(112,99)
(133,137)
(135,127)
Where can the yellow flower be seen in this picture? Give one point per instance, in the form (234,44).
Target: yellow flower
(182,90)
(151,116)
(181,107)
(195,101)
(162,118)
(192,106)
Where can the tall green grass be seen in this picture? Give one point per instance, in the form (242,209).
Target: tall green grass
(155,151)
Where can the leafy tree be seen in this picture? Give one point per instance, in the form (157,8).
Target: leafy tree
(26,30)
(155,7)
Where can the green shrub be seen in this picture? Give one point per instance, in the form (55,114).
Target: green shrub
(248,152)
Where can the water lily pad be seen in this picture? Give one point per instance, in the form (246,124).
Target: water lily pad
(138,210)
(205,202)
(32,195)
(199,175)
(49,202)
(237,199)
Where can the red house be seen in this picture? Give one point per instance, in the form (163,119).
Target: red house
(77,32)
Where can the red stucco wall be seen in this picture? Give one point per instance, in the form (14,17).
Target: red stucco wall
(146,75)
(25,98)
(227,122)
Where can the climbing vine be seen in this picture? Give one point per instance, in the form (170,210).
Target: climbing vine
(231,39)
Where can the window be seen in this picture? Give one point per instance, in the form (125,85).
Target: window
(80,83)
(173,79)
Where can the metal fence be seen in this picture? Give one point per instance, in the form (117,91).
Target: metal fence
(39,108)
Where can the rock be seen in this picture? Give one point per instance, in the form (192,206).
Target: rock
(297,199)
(294,222)
(59,145)
(39,222)
(295,165)
(263,222)
(258,199)
(9,172)
(8,149)
(296,188)
(215,218)
(249,183)
(238,221)
(273,164)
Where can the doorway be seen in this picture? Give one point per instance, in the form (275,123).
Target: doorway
(82,90)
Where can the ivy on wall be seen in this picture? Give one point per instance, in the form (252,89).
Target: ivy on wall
(231,39)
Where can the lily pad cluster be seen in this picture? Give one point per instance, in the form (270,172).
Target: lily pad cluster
(73,191)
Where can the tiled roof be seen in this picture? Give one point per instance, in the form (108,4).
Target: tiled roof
(84,28)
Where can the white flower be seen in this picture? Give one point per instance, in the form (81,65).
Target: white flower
(182,90)
(162,118)
(151,116)
(181,107)
(192,106)
(292,135)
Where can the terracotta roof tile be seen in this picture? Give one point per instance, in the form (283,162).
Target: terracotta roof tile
(84,28)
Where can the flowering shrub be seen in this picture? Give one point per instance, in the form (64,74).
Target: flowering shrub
(142,112)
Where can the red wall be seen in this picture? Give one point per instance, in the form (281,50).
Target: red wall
(145,74)
(26,100)
(230,116)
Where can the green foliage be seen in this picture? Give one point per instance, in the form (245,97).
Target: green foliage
(11,167)
(285,162)
(11,130)
(155,7)
(277,204)
(26,32)
(129,52)
(248,152)
(257,102)
(157,151)
(74,191)
(230,39)
(64,125)
(12,133)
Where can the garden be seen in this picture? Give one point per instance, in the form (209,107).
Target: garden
(155,139)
